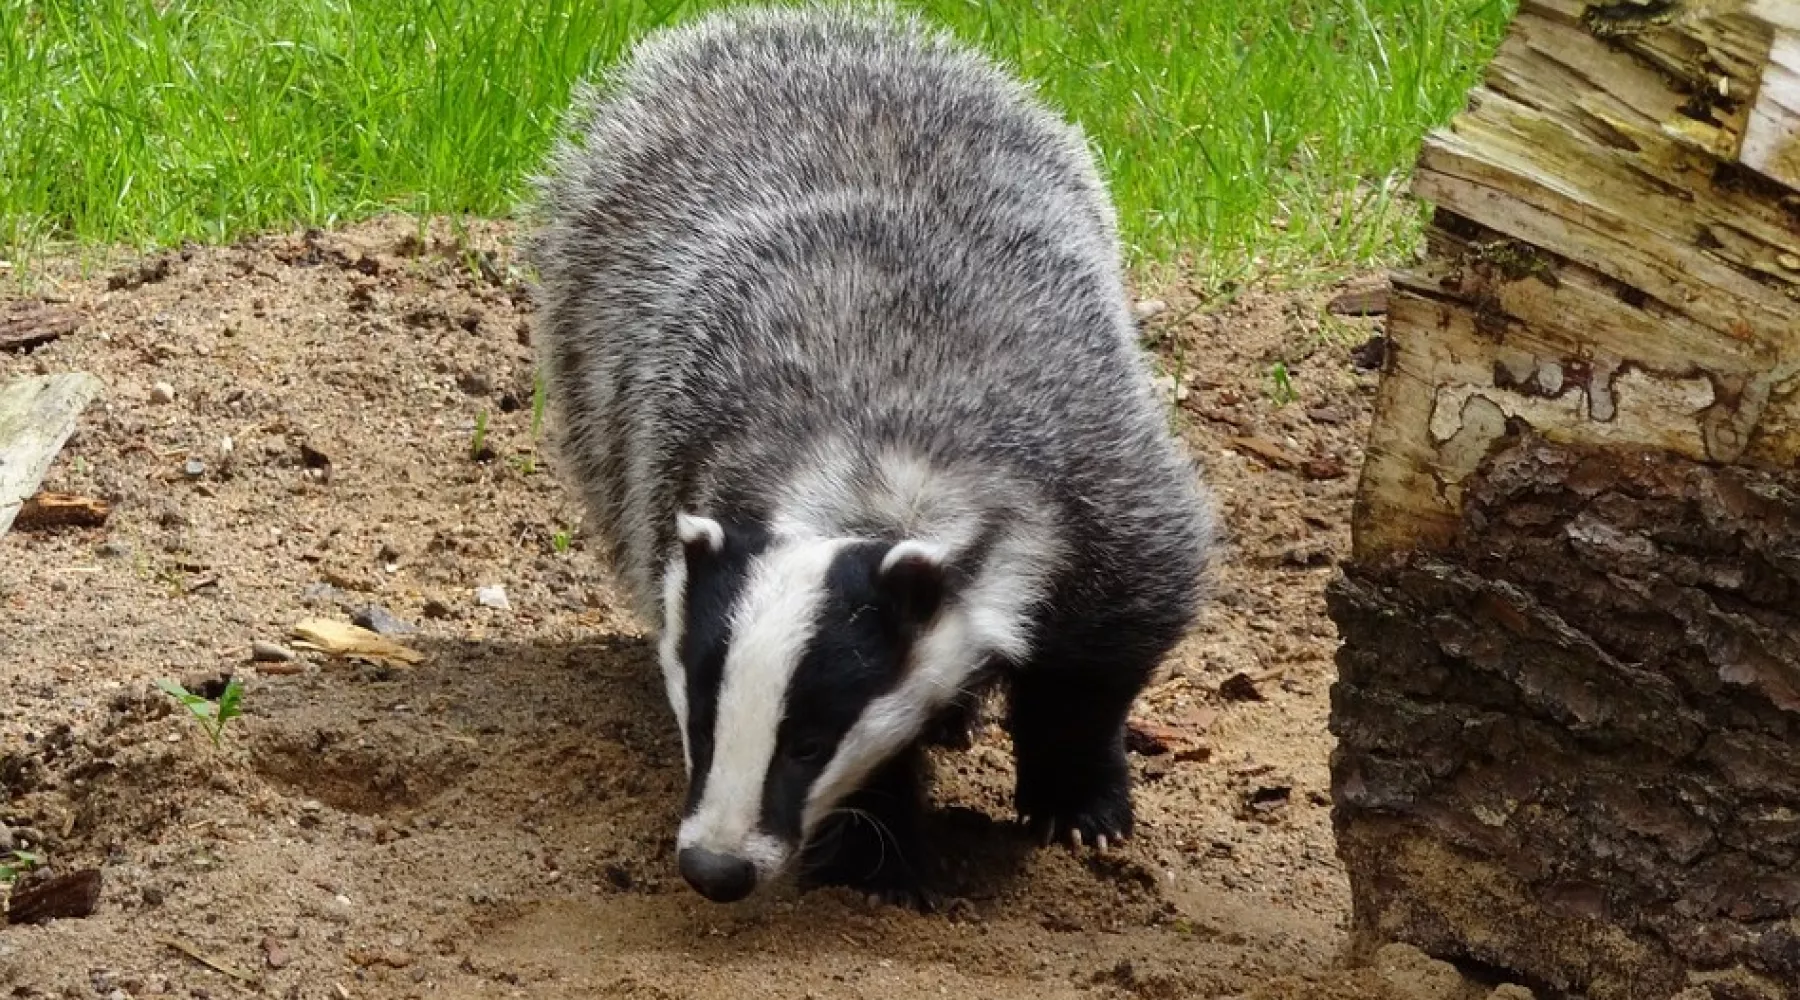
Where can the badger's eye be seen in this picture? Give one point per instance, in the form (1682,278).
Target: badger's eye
(808,750)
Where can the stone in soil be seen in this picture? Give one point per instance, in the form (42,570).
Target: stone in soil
(269,652)
(381,621)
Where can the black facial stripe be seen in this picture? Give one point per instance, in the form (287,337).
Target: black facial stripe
(855,656)
(713,586)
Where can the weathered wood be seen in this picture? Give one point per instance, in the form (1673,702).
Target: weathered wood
(1772,135)
(28,325)
(63,897)
(1586,230)
(36,416)
(1568,705)
(61,510)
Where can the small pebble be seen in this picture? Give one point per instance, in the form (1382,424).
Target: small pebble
(268,652)
(162,392)
(379,620)
(194,468)
(493,596)
(1148,308)
(274,953)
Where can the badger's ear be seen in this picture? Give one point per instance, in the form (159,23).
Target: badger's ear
(701,537)
(912,578)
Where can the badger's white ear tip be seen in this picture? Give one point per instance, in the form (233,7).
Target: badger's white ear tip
(695,530)
(913,550)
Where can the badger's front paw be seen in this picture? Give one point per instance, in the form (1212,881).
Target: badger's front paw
(878,856)
(882,876)
(1085,806)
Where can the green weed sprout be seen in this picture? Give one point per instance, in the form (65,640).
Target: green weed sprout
(1282,390)
(537,405)
(213,715)
(16,863)
(478,445)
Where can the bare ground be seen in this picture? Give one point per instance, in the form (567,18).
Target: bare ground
(497,821)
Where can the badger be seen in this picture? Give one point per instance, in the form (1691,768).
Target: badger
(833,325)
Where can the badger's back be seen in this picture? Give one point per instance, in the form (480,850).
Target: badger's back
(797,262)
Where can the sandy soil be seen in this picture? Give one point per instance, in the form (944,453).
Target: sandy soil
(497,821)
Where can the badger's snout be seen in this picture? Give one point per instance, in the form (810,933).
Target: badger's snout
(719,877)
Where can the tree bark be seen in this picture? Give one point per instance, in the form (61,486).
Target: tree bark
(1568,706)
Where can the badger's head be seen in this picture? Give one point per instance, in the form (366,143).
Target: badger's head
(795,667)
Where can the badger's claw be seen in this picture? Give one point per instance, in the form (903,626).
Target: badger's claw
(1077,835)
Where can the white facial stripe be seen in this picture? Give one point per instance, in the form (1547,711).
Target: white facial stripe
(669,649)
(990,618)
(771,626)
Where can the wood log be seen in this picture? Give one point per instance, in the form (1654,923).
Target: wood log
(36,416)
(1568,705)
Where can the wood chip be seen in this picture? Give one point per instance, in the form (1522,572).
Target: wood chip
(1267,450)
(1154,739)
(342,639)
(26,326)
(1216,414)
(61,510)
(64,897)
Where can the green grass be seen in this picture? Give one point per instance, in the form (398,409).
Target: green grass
(1240,133)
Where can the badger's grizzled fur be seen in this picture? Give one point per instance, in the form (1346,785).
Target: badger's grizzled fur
(834,323)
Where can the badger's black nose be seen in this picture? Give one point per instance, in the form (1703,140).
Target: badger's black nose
(719,877)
